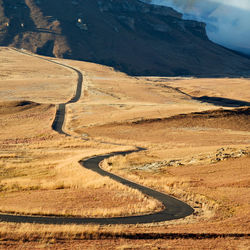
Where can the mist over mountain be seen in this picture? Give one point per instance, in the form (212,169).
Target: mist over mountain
(228,21)
(132,36)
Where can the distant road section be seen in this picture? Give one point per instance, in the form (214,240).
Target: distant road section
(174,208)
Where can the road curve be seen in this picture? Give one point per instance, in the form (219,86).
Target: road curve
(173,208)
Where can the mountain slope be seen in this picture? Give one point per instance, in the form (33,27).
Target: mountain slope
(132,36)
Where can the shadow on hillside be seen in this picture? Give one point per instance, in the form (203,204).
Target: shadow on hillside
(219,101)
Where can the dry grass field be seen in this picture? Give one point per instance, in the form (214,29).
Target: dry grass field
(27,78)
(222,87)
(40,173)
(196,151)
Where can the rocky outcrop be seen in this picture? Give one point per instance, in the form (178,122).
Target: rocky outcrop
(130,35)
(221,154)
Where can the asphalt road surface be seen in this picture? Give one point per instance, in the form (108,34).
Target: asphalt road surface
(173,208)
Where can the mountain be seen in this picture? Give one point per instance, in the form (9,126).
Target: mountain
(130,35)
(227,22)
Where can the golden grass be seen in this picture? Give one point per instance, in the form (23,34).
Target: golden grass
(213,87)
(211,189)
(34,158)
(24,77)
(33,163)
(108,237)
(38,162)
(32,170)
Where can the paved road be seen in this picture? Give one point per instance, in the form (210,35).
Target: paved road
(61,110)
(174,208)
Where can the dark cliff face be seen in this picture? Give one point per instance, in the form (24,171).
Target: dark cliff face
(129,35)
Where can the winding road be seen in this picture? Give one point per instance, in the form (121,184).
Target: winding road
(173,208)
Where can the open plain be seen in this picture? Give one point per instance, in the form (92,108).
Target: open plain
(196,133)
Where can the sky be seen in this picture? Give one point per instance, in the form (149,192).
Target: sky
(228,21)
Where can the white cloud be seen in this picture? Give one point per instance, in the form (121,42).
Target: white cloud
(228,21)
(242,4)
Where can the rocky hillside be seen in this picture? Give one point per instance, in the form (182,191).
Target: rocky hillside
(130,35)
